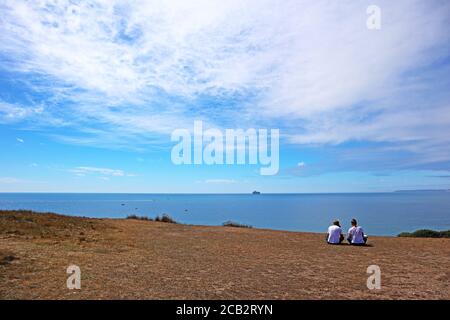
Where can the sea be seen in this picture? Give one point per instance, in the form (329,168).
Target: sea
(378,213)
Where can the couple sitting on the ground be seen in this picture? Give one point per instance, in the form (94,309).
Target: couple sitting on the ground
(355,234)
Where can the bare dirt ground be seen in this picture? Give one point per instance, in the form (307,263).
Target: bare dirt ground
(131,259)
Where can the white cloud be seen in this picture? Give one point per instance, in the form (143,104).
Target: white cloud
(15,184)
(218,181)
(83,171)
(130,70)
(10,180)
(20,140)
(18,181)
(12,113)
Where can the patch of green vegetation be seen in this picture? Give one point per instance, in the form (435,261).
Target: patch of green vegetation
(236,225)
(135,217)
(425,233)
(165,218)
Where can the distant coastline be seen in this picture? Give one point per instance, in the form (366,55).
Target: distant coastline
(423,190)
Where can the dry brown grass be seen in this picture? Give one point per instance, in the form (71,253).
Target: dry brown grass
(132,259)
(31,225)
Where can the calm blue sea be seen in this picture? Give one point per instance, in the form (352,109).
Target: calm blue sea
(378,213)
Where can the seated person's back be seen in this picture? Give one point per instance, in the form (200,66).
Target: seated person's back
(356,234)
(335,233)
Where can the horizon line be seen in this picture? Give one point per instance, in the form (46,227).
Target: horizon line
(227,193)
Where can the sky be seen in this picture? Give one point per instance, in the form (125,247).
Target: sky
(91,91)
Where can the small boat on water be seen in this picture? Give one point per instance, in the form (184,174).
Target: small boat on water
(256,192)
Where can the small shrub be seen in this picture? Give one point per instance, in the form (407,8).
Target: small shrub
(6,259)
(165,218)
(236,225)
(425,233)
(135,217)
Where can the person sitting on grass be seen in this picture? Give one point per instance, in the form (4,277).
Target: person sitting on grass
(356,234)
(334,235)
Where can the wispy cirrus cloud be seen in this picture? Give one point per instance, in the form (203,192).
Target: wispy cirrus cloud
(121,73)
(83,171)
(220,181)
(11,180)
(18,181)
(13,112)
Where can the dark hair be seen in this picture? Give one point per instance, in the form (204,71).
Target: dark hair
(337,223)
(354,222)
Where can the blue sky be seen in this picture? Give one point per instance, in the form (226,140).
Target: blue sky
(90,92)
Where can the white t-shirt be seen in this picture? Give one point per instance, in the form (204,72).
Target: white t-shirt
(334,234)
(357,234)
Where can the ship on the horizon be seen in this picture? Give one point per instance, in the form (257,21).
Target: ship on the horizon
(256,192)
